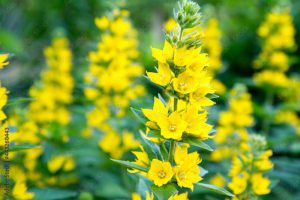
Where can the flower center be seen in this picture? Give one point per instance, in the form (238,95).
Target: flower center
(162,77)
(183,85)
(161,174)
(182,175)
(172,127)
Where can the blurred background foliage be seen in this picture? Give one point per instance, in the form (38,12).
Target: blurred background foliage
(27,27)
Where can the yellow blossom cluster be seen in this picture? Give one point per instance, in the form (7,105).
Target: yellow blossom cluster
(247,170)
(112,71)
(48,108)
(54,92)
(182,73)
(232,129)
(288,117)
(211,45)
(19,190)
(277,33)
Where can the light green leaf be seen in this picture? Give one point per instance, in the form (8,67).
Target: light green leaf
(215,189)
(212,96)
(198,143)
(164,192)
(53,193)
(139,115)
(17,101)
(130,165)
(20,148)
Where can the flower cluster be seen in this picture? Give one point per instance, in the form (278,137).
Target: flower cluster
(181,121)
(247,170)
(277,33)
(17,175)
(213,46)
(47,119)
(288,117)
(112,71)
(54,93)
(232,129)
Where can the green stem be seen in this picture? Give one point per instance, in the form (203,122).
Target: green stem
(268,108)
(173,142)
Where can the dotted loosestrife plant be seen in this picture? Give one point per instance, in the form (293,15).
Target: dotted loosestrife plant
(165,161)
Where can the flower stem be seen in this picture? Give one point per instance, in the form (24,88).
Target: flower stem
(173,142)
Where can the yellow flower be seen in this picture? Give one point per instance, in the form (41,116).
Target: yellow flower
(218,180)
(129,142)
(199,98)
(159,109)
(55,163)
(172,127)
(20,191)
(142,159)
(3,101)
(160,172)
(199,64)
(196,125)
(135,196)
(260,184)
(170,24)
(111,143)
(263,162)
(186,171)
(102,23)
(3,58)
(184,56)
(163,55)
(182,196)
(185,83)
(238,183)
(163,76)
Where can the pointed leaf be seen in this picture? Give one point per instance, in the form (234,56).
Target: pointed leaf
(164,192)
(198,143)
(215,189)
(20,148)
(139,115)
(130,165)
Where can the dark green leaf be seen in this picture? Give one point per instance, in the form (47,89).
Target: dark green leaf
(212,96)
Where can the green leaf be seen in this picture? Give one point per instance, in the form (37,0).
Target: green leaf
(198,143)
(164,192)
(19,148)
(139,115)
(112,190)
(53,193)
(152,149)
(215,189)
(130,165)
(17,101)
(212,96)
